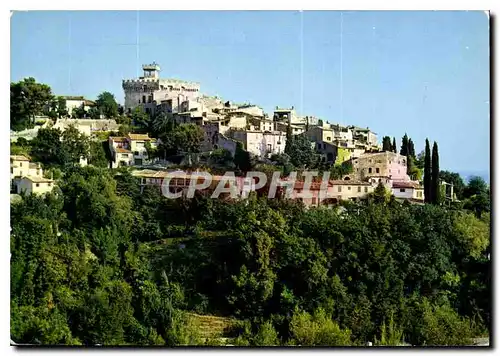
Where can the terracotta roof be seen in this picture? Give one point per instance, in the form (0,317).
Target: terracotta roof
(141,137)
(401,184)
(122,150)
(19,158)
(38,179)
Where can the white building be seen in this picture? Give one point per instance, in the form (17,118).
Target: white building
(407,190)
(35,185)
(130,150)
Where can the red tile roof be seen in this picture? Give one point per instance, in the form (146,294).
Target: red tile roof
(402,184)
(122,150)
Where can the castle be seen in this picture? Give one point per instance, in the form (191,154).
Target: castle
(150,91)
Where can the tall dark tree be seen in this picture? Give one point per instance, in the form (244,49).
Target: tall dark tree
(289,139)
(435,186)
(427,172)
(394,146)
(404,146)
(411,148)
(386,144)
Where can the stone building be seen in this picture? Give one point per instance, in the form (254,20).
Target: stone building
(381,164)
(150,91)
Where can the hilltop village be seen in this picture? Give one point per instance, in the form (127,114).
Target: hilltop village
(396,253)
(224,133)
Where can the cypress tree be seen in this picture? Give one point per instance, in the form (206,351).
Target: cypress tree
(427,172)
(435,188)
(404,146)
(289,139)
(394,147)
(411,148)
(386,144)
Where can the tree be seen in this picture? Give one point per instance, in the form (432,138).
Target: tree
(380,194)
(107,105)
(79,112)
(420,160)
(301,152)
(411,149)
(427,173)
(404,146)
(27,99)
(162,124)
(475,186)
(394,146)
(140,118)
(242,158)
(386,144)
(289,139)
(435,183)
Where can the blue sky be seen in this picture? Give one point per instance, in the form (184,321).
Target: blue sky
(421,72)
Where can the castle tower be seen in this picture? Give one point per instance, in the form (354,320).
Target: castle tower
(151,71)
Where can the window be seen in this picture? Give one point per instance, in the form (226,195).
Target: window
(136,153)
(124,155)
(314,200)
(399,171)
(366,189)
(269,147)
(359,189)
(20,164)
(377,170)
(328,138)
(380,180)
(144,99)
(37,184)
(11,170)
(348,187)
(369,170)
(402,190)
(50,184)
(404,162)
(340,188)
(370,161)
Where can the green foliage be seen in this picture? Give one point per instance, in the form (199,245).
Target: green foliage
(317,330)
(106,261)
(435,183)
(386,144)
(242,158)
(27,99)
(390,335)
(428,183)
(107,105)
(184,138)
(338,171)
(404,146)
(221,156)
(55,148)
(140,118)
(441,325)
(300,151)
